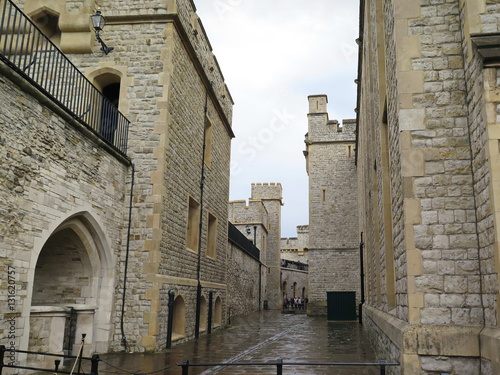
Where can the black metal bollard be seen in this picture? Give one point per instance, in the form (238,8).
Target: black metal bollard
(170,320)
(94,364)
(57,362)
(382,366)
(279,366)
(185,367)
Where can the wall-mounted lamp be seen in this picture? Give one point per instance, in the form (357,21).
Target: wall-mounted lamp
(98,23)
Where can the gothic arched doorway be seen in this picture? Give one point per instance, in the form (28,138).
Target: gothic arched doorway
(72,291)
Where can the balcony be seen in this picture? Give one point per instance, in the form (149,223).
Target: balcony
(25,49)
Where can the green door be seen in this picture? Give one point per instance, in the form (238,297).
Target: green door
(341,306)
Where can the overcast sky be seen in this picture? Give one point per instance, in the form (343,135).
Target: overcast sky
(273,54)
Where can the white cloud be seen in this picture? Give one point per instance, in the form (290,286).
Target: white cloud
(274,54)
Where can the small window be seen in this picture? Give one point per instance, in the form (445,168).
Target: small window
(193,230)
(349,151)
(212,236)
(323,195)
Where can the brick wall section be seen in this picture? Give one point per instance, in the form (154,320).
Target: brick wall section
(50,171)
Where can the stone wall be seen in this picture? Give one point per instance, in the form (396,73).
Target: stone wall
(53,172)
(172,89)
(426,102)
(243,282)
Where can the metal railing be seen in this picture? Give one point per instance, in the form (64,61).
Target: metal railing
(94,362)
(382,364)
(25,49)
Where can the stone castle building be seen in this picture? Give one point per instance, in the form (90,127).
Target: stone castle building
(296,248)
(333,235)
(260,221)
(113,196)
(428,171)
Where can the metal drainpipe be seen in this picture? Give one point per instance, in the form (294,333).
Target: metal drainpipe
(124,338)
(202,184)
(362,279)
(210,311)
(260,266)
(260,285)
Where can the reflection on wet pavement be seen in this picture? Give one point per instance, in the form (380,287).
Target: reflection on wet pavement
(264,337)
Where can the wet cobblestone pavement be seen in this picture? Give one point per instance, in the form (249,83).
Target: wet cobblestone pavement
(262,338)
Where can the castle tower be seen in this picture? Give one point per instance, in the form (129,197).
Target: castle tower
(260,221)
(333,222)
(271,195)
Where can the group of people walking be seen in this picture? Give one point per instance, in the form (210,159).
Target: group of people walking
(298,303)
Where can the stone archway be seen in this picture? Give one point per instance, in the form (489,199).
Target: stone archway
(72,283)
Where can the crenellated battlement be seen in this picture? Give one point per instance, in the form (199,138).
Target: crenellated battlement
(322,129)
(267,190)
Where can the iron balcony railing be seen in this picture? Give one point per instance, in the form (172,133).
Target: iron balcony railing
(30,53)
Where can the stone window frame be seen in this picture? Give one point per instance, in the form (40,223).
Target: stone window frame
(207,157)
(350,151)
(323,196)
(212,224)
(193,224)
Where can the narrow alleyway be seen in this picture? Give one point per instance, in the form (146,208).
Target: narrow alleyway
(263,337)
